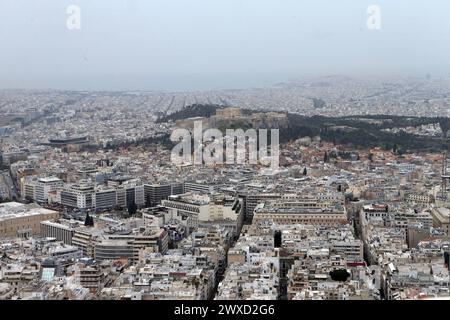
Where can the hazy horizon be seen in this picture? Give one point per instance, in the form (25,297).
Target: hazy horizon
(189,45)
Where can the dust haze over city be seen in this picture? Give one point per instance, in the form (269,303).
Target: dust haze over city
(224,150)
(201,44)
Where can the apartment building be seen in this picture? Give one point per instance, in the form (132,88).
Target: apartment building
(128,246)
(194,210)
(421,200)
(154,193)
(90,197)
(202,187)
(77,196)
(441,218)
(16,274)
(38,189)
(84,238)
(252,199)
(300,211)
(91,275)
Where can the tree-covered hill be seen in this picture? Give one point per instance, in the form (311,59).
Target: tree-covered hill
(359,131)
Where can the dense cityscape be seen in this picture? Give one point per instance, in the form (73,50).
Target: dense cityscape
(206,159)
(92,207)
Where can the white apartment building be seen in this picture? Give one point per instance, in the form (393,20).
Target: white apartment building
(89,197)
(301,209)
(194,210)
(38,189)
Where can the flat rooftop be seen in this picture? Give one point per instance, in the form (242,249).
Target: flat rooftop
(49,179)
(11,210)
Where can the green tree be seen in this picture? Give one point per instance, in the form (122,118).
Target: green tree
(88,221)
(339,275)
(132,208)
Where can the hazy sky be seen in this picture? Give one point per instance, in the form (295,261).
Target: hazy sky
(210,44)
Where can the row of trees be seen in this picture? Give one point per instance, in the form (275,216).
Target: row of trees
(195,110)
(357,132)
